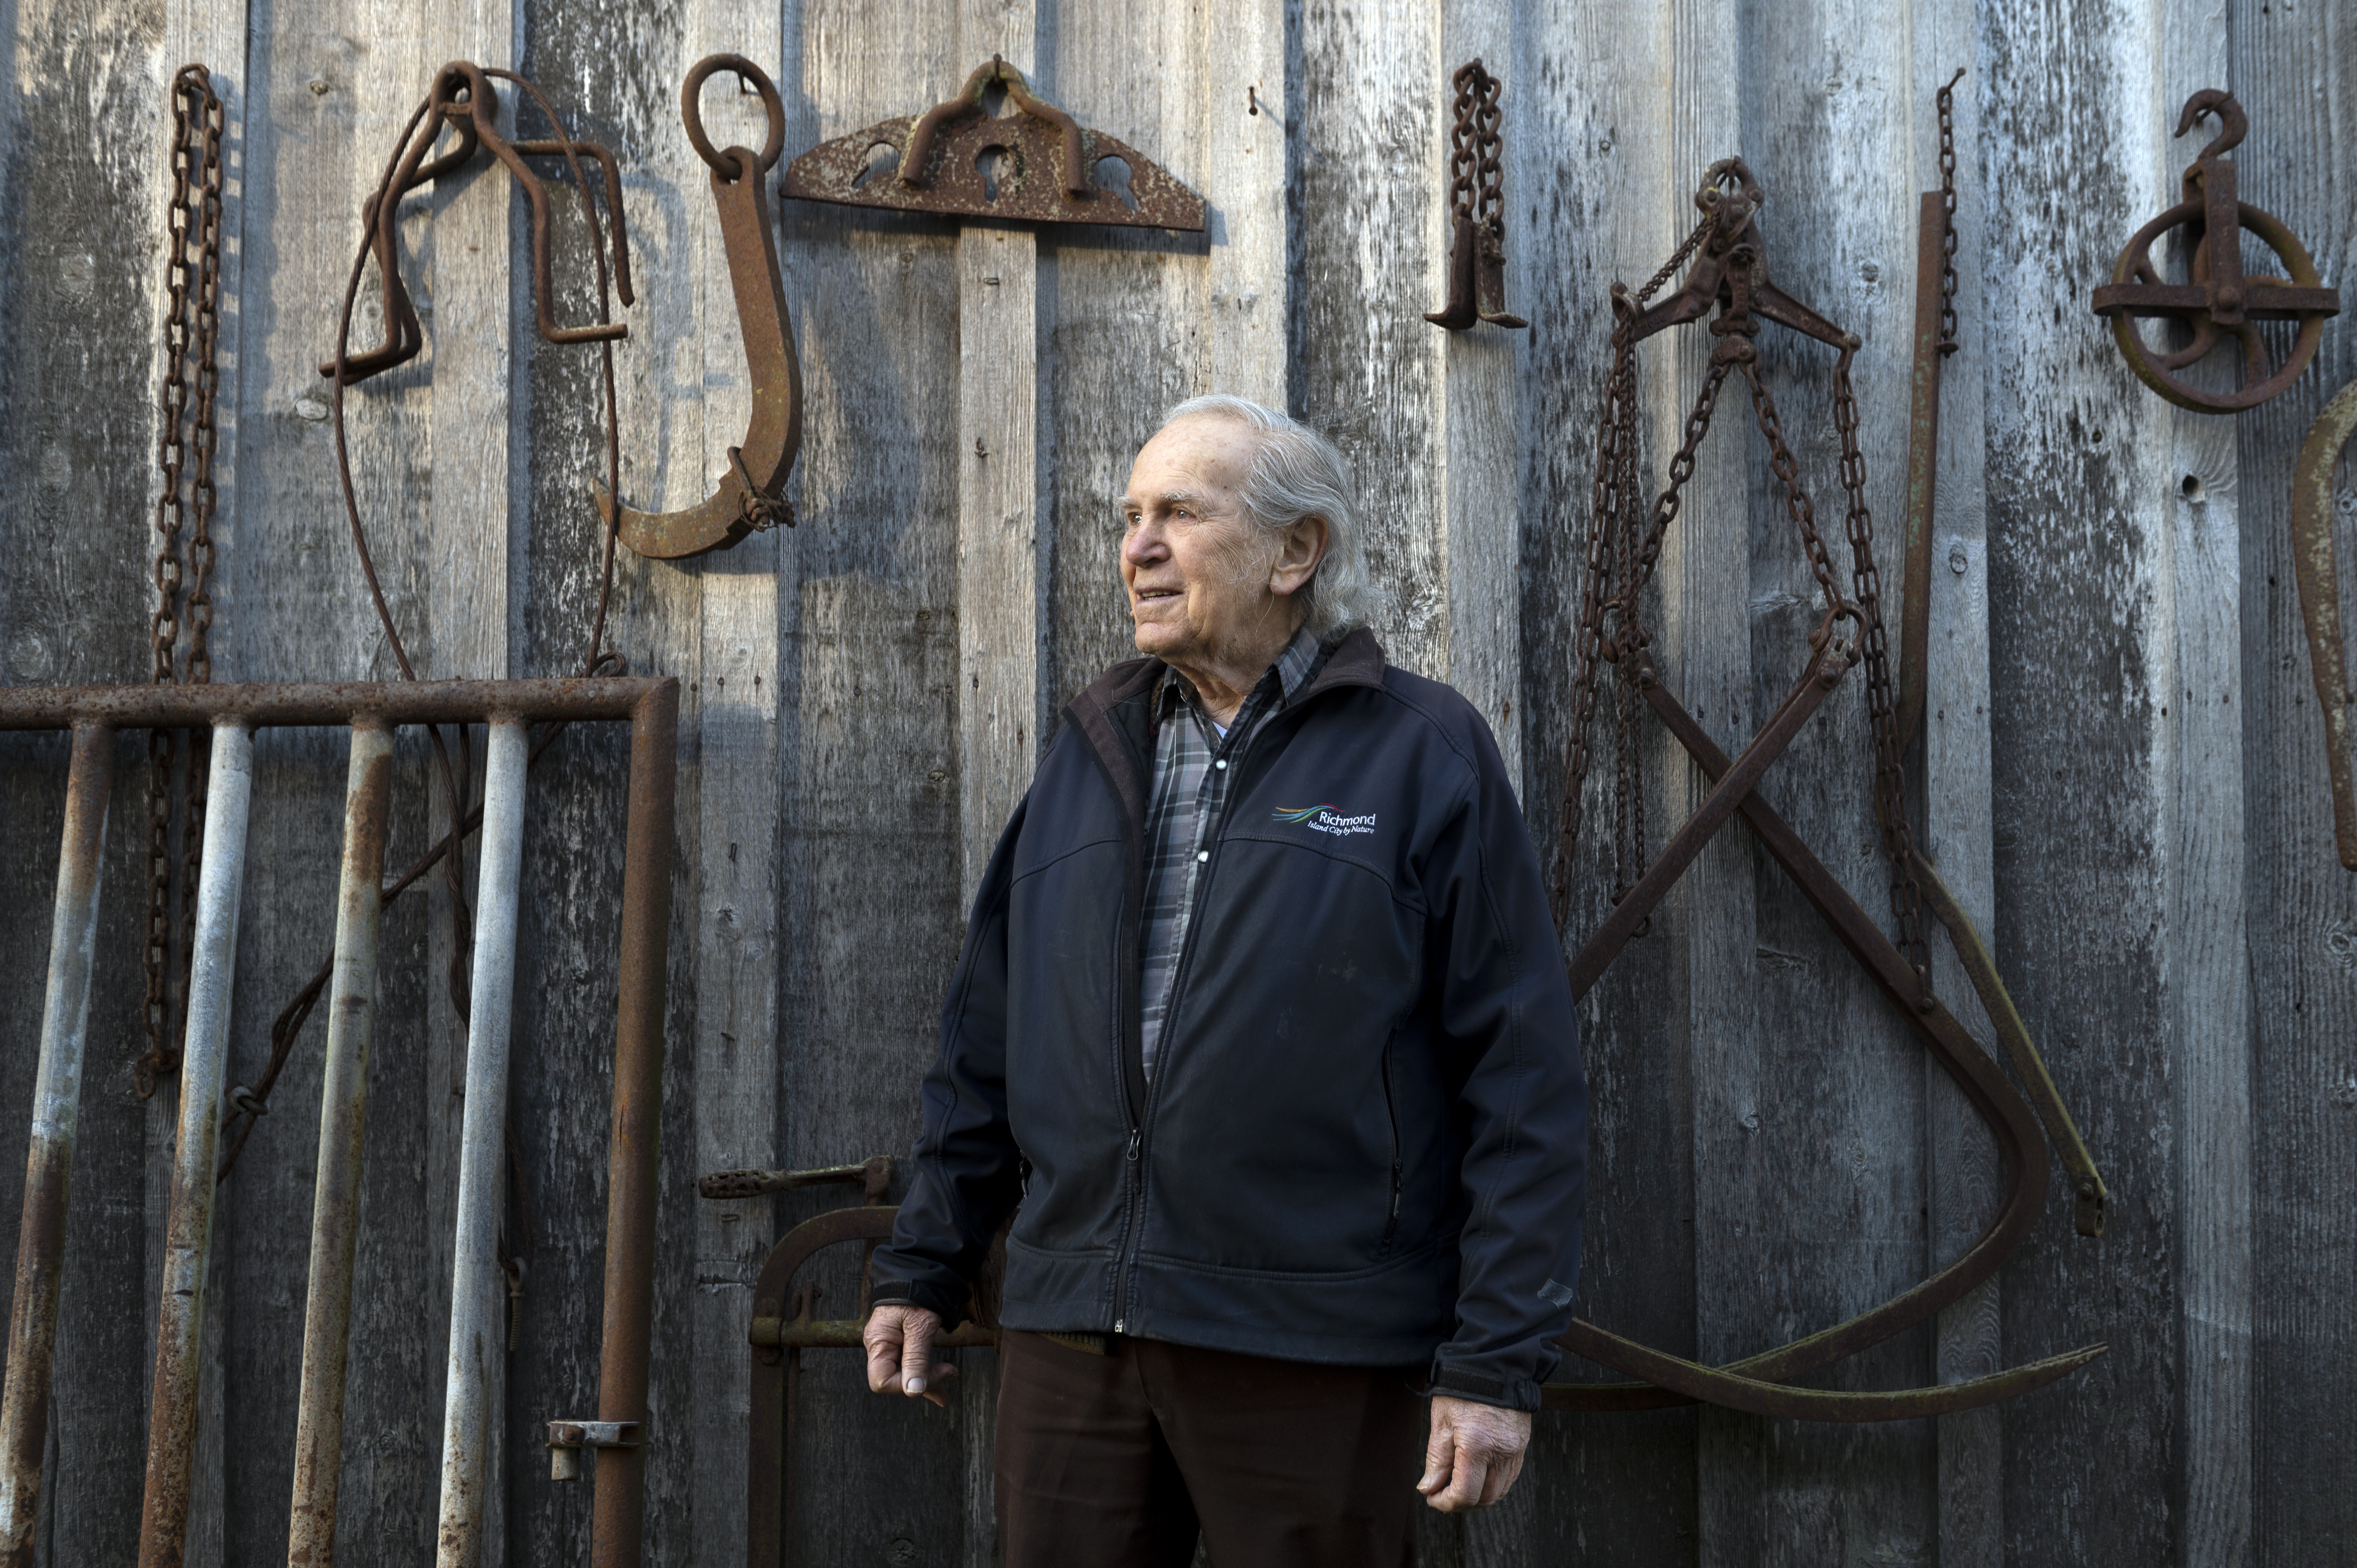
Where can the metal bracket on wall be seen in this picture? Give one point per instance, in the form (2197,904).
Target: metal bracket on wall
(1034,163)
(2218,300)
(751,495)
(1477,205)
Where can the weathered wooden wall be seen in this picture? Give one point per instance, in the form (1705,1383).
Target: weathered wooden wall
(2121,773)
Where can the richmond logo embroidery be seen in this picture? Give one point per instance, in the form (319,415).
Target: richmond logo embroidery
(1326,818)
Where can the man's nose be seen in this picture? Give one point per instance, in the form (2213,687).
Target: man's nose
(1145,545)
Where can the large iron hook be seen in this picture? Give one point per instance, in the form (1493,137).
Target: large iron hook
(751,494)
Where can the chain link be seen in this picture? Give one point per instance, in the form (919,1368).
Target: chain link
(1948,213)
(1476,175)
(186,440)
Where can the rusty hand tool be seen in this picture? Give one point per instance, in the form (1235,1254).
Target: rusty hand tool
(2317,571)
(751,495)
(1729,274)
(1037,164)
(2218,300)
(1477,256)
(874,1175)
(783,1327)
(464,102)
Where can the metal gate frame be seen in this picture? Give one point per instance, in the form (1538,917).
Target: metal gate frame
(232,713)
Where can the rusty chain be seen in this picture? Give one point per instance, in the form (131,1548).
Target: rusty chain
(1477,178)
(1948,213)
(1619,562)
(185,416)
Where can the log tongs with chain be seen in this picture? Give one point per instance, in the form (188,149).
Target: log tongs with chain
(1731,275)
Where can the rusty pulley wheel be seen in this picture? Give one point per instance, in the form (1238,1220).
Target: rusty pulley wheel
(2218,300)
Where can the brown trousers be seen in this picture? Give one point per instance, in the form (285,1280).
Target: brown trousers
(1120,1460)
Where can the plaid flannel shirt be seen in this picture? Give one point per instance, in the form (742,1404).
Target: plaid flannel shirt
(1191,768)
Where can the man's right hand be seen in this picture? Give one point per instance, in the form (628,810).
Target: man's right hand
(899,1340)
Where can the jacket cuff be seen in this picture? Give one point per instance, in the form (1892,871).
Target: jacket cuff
(1464,1383)
(915,1292)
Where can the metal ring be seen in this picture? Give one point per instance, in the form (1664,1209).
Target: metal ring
(691,113)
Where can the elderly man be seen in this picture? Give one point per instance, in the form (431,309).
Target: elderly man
(1262,1023)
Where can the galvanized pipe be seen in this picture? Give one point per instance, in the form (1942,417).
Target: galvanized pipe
(49,1163)
(477,1334)
(179,1319)
(343,1121)
(618,1514)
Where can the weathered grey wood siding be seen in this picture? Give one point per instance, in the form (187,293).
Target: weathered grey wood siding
(2120,774)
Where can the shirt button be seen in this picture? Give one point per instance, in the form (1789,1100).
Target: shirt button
(1222,765)
(1201,855)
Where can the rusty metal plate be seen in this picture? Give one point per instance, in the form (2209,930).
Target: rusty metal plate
(1034,164)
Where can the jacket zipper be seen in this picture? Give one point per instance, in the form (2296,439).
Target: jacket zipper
(1391,1109)
(1209,839)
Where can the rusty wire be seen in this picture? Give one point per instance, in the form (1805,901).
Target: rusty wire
(185,501)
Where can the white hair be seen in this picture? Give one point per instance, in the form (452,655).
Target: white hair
(1296,474)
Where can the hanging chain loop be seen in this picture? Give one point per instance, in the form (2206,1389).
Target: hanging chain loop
(1948,211)
(185,502)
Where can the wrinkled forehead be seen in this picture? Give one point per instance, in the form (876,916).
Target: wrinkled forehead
(1204,458)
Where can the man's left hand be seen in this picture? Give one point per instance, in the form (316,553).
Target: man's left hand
(1475,1452)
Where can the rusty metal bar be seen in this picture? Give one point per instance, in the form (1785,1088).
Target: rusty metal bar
(2317,570)
(48,1162)
(188,1245)
(343,1120)
(321,703)
(619,1513)
(1922,470)
(477,1332)
(1825,672)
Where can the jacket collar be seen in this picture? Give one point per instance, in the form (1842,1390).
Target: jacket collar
(1111,712)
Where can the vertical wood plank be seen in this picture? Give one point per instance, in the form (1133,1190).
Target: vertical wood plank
(869,718)
(1371,368)
(2205,894)
(80,255)
(1962,1166)
(2294,71)
(1479,429)
(736,1047)
(2085,649)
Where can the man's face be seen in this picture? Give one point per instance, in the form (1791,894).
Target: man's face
(1189,555)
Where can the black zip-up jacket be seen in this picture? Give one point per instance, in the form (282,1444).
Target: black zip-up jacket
(1365,1138)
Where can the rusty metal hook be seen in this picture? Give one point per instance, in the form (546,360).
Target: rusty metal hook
(2218,104)
(751,494)
(916,171)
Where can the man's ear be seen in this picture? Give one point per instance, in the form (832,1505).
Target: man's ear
(1299,549)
